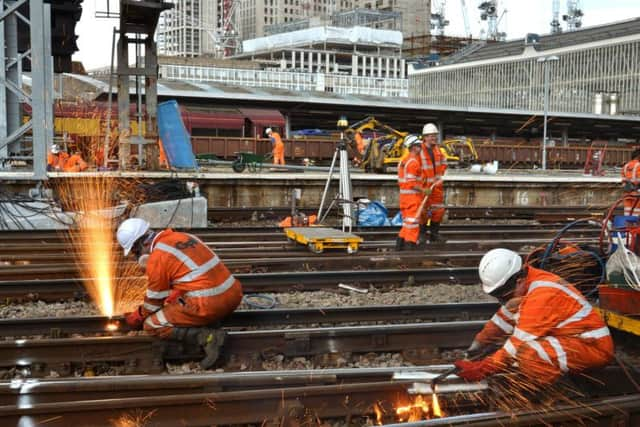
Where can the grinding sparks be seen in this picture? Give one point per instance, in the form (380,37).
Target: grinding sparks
(415,411)
(435,406)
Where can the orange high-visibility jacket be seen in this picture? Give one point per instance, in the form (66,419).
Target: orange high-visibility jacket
(432,170)
(551,309)
(57,161)
(278,145)
(75,163)
(631,172)
(182,261)
(409,174)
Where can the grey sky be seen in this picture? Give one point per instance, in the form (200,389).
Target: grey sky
(522,16)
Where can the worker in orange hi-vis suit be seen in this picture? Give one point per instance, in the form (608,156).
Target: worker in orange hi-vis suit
(188,289)
(631,184)
(359,142)
(411,194)
(546,325)
(434,166)
(56,158)
(278,146)
(75,163)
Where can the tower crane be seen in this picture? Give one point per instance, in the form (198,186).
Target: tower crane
(438,20)
(465,17)
(489,13)
(574,15)
(555,22)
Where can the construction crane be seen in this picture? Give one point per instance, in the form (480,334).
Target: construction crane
(555,22)
(465,17)
(438,20)
(574,15)
(489,13)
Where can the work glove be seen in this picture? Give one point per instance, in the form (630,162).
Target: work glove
(629,186)
(475,371)
(134,319)
(174,296)
(426,191)
(475,348)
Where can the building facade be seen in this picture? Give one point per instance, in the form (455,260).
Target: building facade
(190,28)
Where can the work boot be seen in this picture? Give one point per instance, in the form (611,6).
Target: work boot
(211,341)
(423,236)
(411,246)
(399,244)
(434,235)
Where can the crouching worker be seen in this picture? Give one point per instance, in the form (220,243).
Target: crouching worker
(188,288)
(545,325)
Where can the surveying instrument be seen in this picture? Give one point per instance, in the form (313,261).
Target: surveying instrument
(317,239)
(344,187)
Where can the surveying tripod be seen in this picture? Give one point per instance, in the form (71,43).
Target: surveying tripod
(344,189)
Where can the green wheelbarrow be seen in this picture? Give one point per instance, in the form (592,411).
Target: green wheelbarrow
(251,161)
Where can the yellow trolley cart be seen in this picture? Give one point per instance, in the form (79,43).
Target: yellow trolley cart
(317,239)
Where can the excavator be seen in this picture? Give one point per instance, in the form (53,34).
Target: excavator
(386,149)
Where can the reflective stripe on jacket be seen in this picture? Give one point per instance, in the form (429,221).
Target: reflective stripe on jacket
(551,309)
(182,261)
(409,174)
(432,170)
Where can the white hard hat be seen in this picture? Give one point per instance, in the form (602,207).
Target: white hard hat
(496,267)
(130,231)
(411,140)
(430,129)
(268,131)
(55,148)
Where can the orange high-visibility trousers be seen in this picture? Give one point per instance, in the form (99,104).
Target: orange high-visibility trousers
(196,311)
(278,154)
(579,354)
(409,205)
(432,210)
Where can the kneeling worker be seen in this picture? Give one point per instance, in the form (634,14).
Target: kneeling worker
(547,326)
(188,289)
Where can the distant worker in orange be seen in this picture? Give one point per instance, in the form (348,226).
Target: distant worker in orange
(188,287)
(631,184)
(411,194)
(434,166)
(278,146)
(546,327)
(75,163)
(359,142)
(56,159)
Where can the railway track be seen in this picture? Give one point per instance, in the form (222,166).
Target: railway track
(64,326)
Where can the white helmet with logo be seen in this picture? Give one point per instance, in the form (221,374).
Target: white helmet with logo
(411,140)
(430,129)
(55,148)
(496,268)
(130,231)
(268,131)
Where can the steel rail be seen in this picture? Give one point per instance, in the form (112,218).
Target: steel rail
(56,289)
(143,354)
(62,326)
(620,411)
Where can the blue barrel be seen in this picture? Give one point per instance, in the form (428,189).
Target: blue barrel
(175,138)
(620,222)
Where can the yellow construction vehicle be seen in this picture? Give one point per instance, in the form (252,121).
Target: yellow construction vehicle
(386,149)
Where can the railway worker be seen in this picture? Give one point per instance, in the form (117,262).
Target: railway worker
(630,184)
(545,325)
(278,146)
(434,166)
(56,158)
(411,194)
(188,287)
(75,163)
(360,146)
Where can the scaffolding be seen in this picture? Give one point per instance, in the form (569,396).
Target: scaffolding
(382,19)
(582,75)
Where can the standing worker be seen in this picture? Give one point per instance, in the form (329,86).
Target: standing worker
(434,166)
(547,326)
(411,194)
(56,159)
(188,288)
(630,184)
(359,142)
(278,146)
